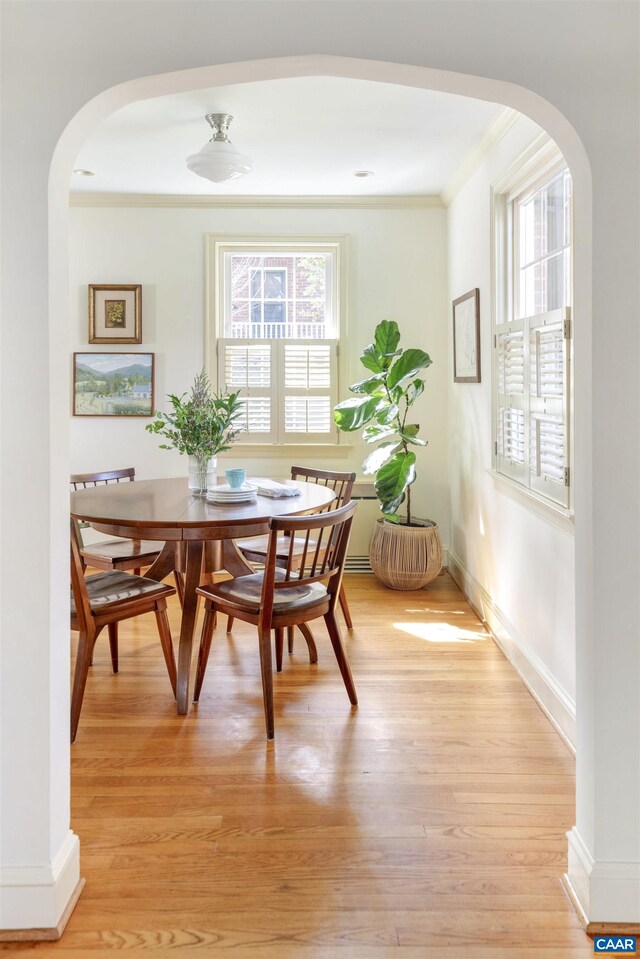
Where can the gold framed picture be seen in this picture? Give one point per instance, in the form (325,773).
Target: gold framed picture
(115,313)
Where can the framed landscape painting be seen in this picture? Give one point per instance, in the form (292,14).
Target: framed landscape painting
(113,384)
(115,313)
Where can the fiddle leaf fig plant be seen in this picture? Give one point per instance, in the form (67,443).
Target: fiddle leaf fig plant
(381,409)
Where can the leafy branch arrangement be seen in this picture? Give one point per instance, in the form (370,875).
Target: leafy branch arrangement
(382,407)
(202,425)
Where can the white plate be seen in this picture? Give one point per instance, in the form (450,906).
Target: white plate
(224,494)
(225,490)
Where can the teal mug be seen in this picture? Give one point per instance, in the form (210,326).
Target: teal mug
(235,477)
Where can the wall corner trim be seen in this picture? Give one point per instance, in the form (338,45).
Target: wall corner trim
(37,897)
(602,892)
(554,701)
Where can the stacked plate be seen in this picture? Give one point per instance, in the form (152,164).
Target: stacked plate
(225,494)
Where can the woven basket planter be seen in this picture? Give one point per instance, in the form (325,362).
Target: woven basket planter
(405,557)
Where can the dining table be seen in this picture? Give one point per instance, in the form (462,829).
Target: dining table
(198,535)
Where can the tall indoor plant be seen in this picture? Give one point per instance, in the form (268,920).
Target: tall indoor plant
(405,552)
(201,426)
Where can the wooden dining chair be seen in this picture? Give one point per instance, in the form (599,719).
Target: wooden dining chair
(255,549)
(304,588)
(123,554)
(106,599)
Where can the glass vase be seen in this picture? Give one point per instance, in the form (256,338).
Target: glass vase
(202,474)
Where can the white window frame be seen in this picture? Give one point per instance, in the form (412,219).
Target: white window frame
(216,290)
(531,170)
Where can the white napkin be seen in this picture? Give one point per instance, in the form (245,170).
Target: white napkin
(276,490)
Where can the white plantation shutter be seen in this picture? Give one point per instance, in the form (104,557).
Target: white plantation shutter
(308,383)
(510,365)
(249,367)
(288,388)
(548,404)
(532,436)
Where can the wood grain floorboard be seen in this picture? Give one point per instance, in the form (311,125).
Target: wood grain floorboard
(427,824)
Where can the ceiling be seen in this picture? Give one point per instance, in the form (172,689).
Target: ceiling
(305,136)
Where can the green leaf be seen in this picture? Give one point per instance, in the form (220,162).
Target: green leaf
(410,435)
(379,457)
(371,359)
(352,414)
(413,391)
(386,338)
(387,415)
(393,479)
(407,365)
(370,385)
(374,433)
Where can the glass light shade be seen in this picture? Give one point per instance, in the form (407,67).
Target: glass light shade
(219,161)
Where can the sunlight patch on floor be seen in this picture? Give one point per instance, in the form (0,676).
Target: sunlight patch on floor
(441,632)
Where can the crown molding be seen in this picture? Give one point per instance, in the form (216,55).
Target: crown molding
(499,126)
(175,201)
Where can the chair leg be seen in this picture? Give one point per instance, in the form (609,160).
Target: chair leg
(309,640)
(83,659)
(290,630)
(341,656)
(264,640)
(167,643)
(344,606)
(208,627)
(279,648)
(113,645)
(138,571)
(229,623)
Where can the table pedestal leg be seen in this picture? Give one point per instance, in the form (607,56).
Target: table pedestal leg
(233,560)
(164,564)
(187,627)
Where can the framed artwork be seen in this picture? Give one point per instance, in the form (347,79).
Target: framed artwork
(466,338)
(113,384)
(115,313)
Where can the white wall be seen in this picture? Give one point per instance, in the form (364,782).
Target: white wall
(571,67)
(523,564)
(396,264)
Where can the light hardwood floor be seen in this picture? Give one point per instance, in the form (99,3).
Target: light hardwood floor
(429,823)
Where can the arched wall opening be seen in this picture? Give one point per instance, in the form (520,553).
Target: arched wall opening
(519,98)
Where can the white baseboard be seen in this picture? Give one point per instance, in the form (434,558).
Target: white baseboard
(549,694)
(36,897)
(606,892)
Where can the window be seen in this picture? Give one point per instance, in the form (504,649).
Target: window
(533,334)
(277,325)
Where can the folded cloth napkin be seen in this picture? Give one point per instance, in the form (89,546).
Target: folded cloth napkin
(276,490)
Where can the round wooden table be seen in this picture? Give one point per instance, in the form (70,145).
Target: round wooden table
(167,511)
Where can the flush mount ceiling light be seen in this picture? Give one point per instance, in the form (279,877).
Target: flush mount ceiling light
(363,173)
(218,160)
(84,172)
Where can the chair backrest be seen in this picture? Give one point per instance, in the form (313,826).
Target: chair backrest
(84,480)
(340,483)
(324,537)
(78,584)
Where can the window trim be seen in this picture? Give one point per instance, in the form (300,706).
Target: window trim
(529,171)
(217,244)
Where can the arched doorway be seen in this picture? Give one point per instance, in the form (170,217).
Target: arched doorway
(519,98)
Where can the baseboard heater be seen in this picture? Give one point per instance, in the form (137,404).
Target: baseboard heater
(357,564)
